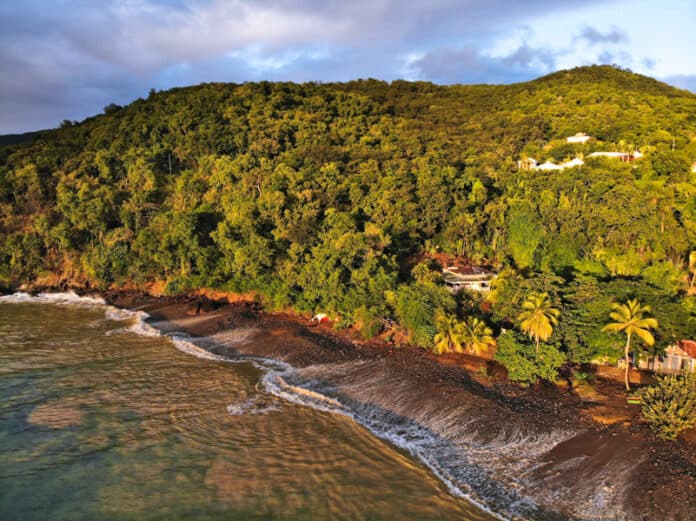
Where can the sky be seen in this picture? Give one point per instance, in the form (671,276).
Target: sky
(68,59)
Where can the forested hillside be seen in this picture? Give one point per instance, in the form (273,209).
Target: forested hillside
(320,197)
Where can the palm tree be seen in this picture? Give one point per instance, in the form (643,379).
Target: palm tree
(476,336)
(448,337)
(538,318)
(692,267)
(630,318)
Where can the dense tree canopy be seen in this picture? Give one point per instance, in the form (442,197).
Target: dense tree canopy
(319,196)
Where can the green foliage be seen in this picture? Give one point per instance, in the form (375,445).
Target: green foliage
(471,335)
(366,322)
(322,196)
(525,233)
(631,318)
(417,305)
(176,286)
(476,336)
(670,405)
(538,317)
(519,357)
(448,336)
(587,304)
(664,275)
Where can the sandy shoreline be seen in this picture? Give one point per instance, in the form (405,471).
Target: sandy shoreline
(551,452)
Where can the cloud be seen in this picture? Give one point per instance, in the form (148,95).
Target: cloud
(615,58)
(682,81)
(592,36)
(69,58)
(648,63)
(469,65)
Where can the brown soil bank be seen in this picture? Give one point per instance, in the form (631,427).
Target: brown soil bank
(537,454)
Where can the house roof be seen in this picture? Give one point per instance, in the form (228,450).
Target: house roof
(573,162)
(466,275)
(608,154)
(549,166)
(689,347)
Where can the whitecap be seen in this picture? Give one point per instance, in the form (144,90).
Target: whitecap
(252,406)
(61,298)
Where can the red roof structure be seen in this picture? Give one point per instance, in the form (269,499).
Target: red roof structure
(689,347)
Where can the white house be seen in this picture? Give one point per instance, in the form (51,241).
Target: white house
(625,157)
(549,166)
(677,359)
(580,137)
(573,163)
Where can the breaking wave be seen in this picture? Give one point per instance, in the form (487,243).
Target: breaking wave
(66,298)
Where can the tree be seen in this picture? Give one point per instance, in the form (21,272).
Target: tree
(692,267)
(448,336)
(523,365)
(538,318)
(630,318)
(112,108)
(525,234)
(475,336)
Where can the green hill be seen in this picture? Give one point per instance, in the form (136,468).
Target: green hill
(17,139)
(318,195)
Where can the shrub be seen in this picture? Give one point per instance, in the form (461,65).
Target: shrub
(176,286)
(670,405)
(366,322)
(517,354)
(415,306)
(584,377)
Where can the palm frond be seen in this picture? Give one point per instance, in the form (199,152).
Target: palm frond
(645,335)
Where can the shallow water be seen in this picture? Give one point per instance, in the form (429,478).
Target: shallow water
(98,422)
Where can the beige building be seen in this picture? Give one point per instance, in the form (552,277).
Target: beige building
(678,358)
(527,163)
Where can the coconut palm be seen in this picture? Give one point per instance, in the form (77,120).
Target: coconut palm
(630,318)
(692,267)
(448,337)
(476,336)
(538,318)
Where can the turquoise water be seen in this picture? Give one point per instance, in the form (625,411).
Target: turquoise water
(97,422)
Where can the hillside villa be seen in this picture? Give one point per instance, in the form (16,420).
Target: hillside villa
(529,163)
(472,278)
(580,137)
(624,157)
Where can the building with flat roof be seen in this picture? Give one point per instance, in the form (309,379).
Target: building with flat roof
(472,279)
(580,137)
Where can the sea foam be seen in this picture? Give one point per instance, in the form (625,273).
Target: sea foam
(63,298)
